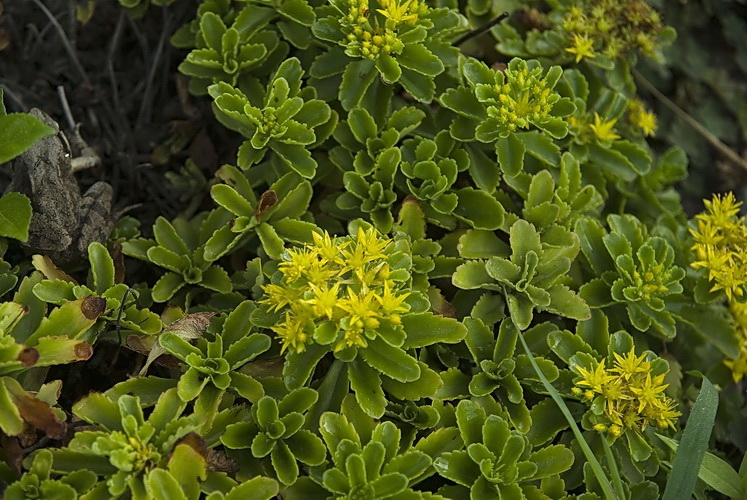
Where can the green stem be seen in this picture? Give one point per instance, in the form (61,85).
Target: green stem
(604,482)
(614,471)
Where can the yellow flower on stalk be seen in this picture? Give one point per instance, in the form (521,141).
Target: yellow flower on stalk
(604,130)
(583,46)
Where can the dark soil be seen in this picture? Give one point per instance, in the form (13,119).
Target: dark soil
(119,78)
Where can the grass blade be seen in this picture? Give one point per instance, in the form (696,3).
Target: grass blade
(692,448)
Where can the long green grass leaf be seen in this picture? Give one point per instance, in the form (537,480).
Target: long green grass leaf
(692,448)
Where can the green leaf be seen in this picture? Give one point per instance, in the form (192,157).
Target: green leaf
(366,384)
(388,67)
(228,198)
(102,267)
(613,162)
(271,242)
(15,214)
(296,157)
(362,125)
(11,422)
(161,485)
(257,488)
(297,10)
(18,132)
(99,409)
(510,151)
(391,361)
(419,86)
(425,329)
(167,286)
(566,303)
(417,58)
(480,209)
(358,76)
(693,445)
(551,460)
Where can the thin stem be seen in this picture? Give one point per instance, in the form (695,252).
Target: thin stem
(614,471)
(65,42)
(604,482)
(482,29)
(707,135)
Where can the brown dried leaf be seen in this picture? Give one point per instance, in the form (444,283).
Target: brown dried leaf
(35,412)
(190,327)
(268,200)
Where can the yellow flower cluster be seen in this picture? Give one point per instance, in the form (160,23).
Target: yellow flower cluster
(613,26)
(336,291)
(720,243)
(641,117)
(631,397)
(522,99)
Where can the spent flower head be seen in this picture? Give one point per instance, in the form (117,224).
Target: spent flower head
(341,286)
(616,27)
(630,396)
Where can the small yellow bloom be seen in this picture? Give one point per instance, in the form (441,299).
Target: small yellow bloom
(641,117)
(631,364)
(604,130)
(649,390)
(596,378)
(325,300)
(399,12)
(583,46)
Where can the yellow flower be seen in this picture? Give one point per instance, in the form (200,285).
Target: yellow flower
(604,130)
(361,308)
(633,399)
(328,249)
(325,300)
(277,297)
(399,12)
(345,281)
(595,379)
(630,364)
(292,332)
(298,262)
(583,46)
(391,303)
(641,117)
(721,209)
(649,391)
